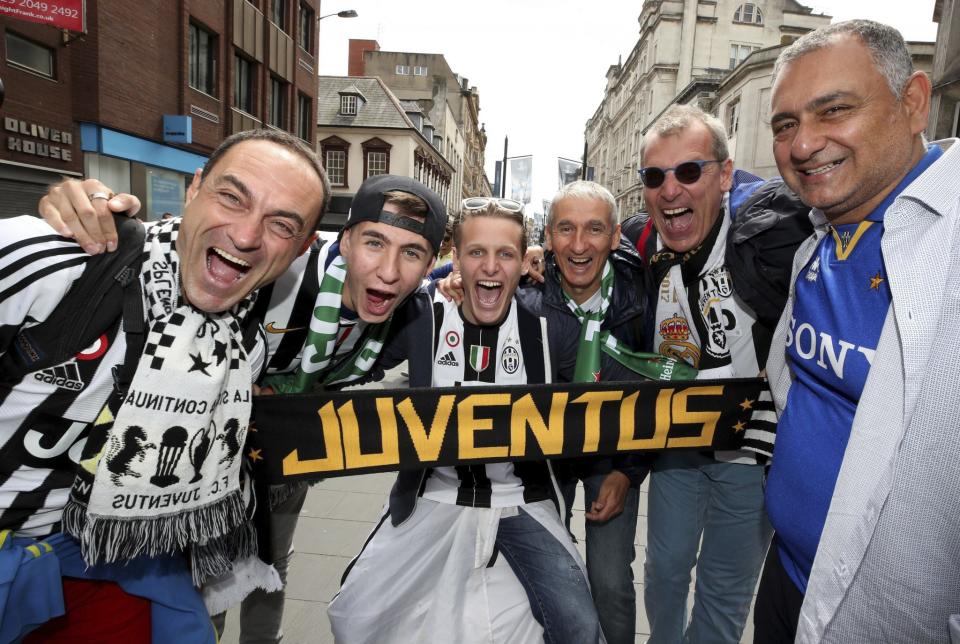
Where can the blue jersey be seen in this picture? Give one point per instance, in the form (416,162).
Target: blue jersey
(841,301)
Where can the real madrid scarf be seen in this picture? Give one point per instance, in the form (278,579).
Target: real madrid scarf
(593,340)
(160,470)
(321,343)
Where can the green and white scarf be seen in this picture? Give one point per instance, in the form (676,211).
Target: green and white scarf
(321,343)
(593,340)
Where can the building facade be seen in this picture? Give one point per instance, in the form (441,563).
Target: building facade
(742,101)
(148,91)
(685,48)
(447,100)
(364,130)
(945,110)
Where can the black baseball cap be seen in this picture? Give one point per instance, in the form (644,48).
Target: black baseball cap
(367,205)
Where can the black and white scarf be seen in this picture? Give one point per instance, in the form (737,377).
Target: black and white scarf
(160,471)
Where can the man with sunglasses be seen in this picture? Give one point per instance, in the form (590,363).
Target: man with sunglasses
(699,318)
(444,563)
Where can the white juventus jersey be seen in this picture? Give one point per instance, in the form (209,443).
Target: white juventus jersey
(45,418)
(470,355)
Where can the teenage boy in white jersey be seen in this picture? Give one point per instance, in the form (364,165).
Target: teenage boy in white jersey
(430,573)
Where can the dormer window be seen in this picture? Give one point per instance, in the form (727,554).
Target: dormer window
(348,105)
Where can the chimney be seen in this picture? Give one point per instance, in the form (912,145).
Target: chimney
(355,64)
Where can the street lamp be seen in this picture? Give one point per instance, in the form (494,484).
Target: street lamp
(348,13)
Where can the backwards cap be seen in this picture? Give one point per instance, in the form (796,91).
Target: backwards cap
(367,205)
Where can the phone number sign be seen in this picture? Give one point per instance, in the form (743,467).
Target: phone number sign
(62,14)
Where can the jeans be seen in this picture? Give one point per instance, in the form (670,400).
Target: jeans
(261,613)
(558,592)
(610,552)
(691,494)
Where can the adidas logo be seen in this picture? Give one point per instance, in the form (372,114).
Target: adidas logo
(66,376)
(449,360)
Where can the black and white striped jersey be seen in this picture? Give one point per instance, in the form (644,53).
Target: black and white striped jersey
(45,418)
(470,355)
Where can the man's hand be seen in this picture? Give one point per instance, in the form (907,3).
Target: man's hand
(83,211)
(451,287)
(533,264)
(609,503)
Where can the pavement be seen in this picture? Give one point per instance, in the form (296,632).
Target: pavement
(336,519)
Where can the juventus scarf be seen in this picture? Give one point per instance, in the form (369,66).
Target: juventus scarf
(321,341)
(313,436)
(160,469)
(593,340)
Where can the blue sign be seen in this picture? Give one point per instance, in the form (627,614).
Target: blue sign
(177,129)
(166,196)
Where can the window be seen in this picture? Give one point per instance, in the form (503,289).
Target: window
(279,14)
(748,13)
(203,60)
(403,70)
(419,71)
(277,109)
(376,157)
(348,105)
(376,163)
(29,55)
(733,118)
(303,117)
(739,52)
(243,84)
(305,33)
(336,166)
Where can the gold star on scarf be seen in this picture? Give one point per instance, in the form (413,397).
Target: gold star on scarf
(875,281)
(254,455)
(746,404)
(739,427)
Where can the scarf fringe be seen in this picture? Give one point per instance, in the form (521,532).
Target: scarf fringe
(112,539)
(280,493)
(218,556)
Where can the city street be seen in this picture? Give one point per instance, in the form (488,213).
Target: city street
(335,521)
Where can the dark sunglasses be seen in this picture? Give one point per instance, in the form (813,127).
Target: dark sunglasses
(687,172)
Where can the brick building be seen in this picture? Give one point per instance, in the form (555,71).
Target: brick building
(148,91)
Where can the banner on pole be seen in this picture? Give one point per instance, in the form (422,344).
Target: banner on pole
(521,178)
(569,170)
(311,436)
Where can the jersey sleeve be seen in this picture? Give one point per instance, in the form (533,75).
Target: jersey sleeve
(37,268)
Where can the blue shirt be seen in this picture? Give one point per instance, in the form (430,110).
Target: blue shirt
(841,301)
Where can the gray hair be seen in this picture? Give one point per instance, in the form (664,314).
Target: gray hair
(887,49)
(679,117)
(585,190)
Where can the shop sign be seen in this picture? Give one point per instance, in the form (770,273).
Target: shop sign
(38,140)
(62,14)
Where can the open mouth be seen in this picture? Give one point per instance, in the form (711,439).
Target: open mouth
(826,167)
(488,292)
(224,266)
(673,213)
(379,302)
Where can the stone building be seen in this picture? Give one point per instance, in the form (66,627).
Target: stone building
(685,48)
(447,99)
(945,110)
(148,89)
(364,130)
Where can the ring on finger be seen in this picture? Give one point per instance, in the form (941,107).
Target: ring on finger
(98,195)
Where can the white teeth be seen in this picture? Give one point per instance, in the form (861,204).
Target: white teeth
(579,260)
(227,256)
(674,211)
(490,284)
(824,168)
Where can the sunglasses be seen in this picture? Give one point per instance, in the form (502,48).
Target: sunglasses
(479,203)
(687,172)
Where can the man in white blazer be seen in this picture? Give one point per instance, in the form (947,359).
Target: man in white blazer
(865,479)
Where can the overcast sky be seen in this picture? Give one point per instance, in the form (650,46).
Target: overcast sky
(539,65)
